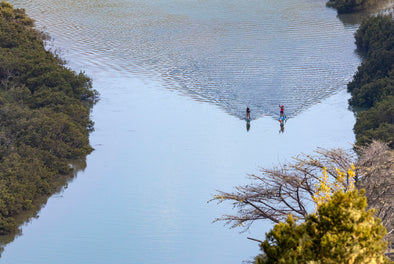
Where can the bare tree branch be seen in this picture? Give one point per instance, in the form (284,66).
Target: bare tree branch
(375,168)
(289,188)
(285,189)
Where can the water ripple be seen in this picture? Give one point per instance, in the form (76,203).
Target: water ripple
(233,54)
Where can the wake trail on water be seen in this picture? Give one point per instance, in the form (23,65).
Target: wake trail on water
(253,53)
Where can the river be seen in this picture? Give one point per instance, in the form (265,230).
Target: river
(175,78)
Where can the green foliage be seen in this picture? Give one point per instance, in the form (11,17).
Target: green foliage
(375,33)
(342,231)
(374,38)
(349,6)
(367,95)
(372,87)
(44,117)
(376,123)
(287,243)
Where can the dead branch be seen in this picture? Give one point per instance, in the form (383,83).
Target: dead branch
(375,168)
(285,189)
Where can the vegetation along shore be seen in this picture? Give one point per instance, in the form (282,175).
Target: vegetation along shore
(45,125)
(352,6)
(352,193)
(44,118)
(372,87)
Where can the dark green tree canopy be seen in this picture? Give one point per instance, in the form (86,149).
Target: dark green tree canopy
(372,87)
(44,117)
(350,6)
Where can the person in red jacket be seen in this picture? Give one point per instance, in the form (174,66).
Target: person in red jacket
(282,110)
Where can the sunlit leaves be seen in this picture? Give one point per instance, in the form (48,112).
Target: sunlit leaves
(342,231)
(325,188)
(290,188)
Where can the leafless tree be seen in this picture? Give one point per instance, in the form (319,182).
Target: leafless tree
(289,188)
(286,189)
(375,169)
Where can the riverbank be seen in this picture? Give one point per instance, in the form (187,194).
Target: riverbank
(44,119)
(372,87)
(122,208)
(348,6)
(372,90)
(159,154)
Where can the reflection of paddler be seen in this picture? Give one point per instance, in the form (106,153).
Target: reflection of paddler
(247,125)
(282,120)
(248,113)
(282,127)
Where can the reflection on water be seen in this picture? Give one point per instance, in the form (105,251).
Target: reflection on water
(230,53)
(282,127)
(78,166)
(282,120)
(159,156)
(247,125)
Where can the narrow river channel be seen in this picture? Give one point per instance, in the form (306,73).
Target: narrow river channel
(175,78)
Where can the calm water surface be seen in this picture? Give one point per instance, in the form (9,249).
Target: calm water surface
(175,78)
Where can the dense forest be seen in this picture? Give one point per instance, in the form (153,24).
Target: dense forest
(372,87)
(44,117)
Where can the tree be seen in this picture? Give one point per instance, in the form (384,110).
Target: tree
(373,92)
(342,231)
(375,33)
(349,6)
(293,188)
(289,188)
(44,119)
(376,123)
(375,169)
(372,87)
